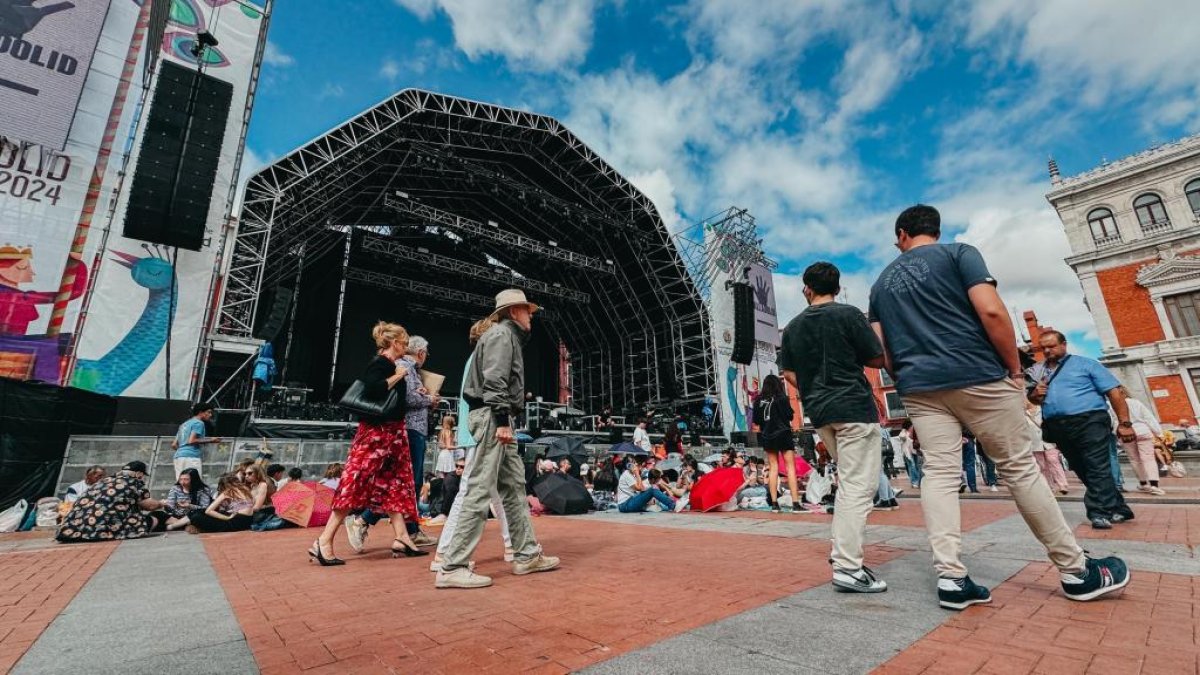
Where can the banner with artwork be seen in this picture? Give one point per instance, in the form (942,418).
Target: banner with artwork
(145,321)
(766,323)
(738,384)
(50,190)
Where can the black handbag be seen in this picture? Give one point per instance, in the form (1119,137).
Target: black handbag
(356,402)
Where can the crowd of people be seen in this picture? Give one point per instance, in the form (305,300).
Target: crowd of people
(936,322)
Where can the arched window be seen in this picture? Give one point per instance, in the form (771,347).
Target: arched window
(1192,190)
(1103,226)
(1151,213)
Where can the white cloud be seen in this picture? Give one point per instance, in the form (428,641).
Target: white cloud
(274,56)
(331,90)
(658,187)
(390,70)
(252,163)
(530,35)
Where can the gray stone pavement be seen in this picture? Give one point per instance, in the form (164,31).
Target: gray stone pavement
(154,607)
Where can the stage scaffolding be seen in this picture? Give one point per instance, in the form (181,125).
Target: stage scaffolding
(469,198)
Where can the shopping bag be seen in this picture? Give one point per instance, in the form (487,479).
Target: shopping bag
(12,517)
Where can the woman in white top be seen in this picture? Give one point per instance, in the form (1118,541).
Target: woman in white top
(1141,449)
(1049,459)
(446,447)
(641,437)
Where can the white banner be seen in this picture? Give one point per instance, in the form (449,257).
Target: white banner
(138,303)
(45,53)
(766,323)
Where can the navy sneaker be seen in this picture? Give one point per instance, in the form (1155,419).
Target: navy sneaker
(959,594)
(1099,577)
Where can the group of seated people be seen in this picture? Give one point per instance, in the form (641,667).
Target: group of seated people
(114,507)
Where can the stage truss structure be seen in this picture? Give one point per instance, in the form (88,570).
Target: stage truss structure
(472,198)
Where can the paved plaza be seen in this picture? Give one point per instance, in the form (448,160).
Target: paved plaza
(741,592)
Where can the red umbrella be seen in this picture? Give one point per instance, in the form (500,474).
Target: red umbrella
(802,468)
(305,504)
(715,488)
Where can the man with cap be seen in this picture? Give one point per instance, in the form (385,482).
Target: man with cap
(118,507)
(494,390)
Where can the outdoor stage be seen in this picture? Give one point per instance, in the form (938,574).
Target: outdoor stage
(418,211)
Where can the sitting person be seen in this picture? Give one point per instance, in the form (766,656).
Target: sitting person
(333,476)
(231,511)
(276,473)
(634,494)
(668,482)
(564,466)
(261,488)
(114,508)
(188,493)
(294,474)
(90,478)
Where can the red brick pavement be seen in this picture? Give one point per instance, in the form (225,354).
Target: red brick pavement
(975,514)
(1031,628)
(1153,523)
(36,586)
(621,587)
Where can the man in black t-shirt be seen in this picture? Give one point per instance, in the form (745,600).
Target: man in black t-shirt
(824,351)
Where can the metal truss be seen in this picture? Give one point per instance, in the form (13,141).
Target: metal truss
(392,249)
(634,316)
(495,234)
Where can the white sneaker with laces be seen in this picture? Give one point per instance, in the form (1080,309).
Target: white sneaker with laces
(356,533)
(1157,491)
(858,581)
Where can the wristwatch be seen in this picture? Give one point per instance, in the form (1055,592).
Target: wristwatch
(1126,423)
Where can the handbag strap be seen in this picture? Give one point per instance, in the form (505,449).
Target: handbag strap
(1061,364)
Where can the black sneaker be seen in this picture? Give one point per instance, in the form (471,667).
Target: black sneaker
(774,507)
(961,593)
(797,507)
(1099,577)
(886,505)
(862,580)
(1101,524)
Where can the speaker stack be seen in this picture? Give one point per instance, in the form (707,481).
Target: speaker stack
(743,324)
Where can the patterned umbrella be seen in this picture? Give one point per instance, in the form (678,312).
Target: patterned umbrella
(303,503)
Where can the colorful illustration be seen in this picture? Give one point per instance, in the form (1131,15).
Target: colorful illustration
(24,356)
(118,369)
(187,15)
(739,416)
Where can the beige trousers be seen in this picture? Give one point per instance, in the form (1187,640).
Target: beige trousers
(995,413)
(184,463)
(857,449)
(1141,457)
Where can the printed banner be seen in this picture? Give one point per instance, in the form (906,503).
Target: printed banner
(151,301)
(738,385)
(42,197)
(45,54)
(766,323)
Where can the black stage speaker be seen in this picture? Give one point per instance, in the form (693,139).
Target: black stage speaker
(743,324)
(272,321)
(173,181)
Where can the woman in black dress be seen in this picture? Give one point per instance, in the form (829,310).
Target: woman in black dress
(773,413)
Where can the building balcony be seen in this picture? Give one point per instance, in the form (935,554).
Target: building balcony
(1176,347)
(1107,242)
(1156,227)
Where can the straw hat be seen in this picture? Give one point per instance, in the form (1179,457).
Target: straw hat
(511,298)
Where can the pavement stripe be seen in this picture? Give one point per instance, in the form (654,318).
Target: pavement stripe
(814,631)
(154,607)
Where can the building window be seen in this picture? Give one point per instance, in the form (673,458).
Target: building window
(1192,190)
(895,408)
(1183,314)
(1151,213)
(1104,227)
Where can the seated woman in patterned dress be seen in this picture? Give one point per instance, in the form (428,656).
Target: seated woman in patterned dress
(114,508)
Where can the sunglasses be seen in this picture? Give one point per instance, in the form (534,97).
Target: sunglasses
(460,466)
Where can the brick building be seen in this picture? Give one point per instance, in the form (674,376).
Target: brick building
(1134,231)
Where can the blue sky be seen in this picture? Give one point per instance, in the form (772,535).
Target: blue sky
(824,118)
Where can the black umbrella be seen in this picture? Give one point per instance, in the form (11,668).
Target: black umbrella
(563,446)
(562,494)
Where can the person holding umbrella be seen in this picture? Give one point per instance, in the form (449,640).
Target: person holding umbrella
(493,391)
(635,494)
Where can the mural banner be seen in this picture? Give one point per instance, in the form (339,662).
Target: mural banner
(43,190)
(145,321)
(766,323)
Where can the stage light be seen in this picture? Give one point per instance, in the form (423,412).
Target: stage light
(204,40)
(493,223)
(401,195)
(608,261)
(553,243)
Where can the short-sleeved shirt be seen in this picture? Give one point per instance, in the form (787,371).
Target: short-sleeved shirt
(185,451)
(626,487)
(936,339)
(1078,389)
(827,346)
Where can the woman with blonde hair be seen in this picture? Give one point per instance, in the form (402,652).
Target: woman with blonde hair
(378,469)
(446,447)
(333,475)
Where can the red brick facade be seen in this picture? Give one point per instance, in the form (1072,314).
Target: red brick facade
(1174,407)
(1132,313)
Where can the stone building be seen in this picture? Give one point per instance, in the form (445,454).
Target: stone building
(1134,231)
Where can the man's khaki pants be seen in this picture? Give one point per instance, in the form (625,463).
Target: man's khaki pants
(995,413)
(493,465)
(857,449)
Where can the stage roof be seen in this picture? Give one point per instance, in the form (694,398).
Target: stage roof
(451,200)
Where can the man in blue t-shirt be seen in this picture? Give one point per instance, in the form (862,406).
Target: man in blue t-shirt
(949,344)
(191,435)
(1075,392)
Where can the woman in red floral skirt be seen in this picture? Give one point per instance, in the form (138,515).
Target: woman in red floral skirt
(378,471)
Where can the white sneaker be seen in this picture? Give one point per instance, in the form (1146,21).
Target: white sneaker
(436,565)
(1157,491)
(356,533)
(994,488)
(437,520)
(509,554)
(1144,488)
(858,581)
(461,578)
(542,563)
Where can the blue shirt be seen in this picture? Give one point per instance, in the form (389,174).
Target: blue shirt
(1078,389)
(185,451)
(930,327)
(465,439)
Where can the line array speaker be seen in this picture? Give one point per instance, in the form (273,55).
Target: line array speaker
(177,166)
(743,324)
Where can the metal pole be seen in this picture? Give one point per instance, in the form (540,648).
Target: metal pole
(337,326)
(287,351)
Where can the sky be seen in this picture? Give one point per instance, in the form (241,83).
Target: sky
(824,118)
